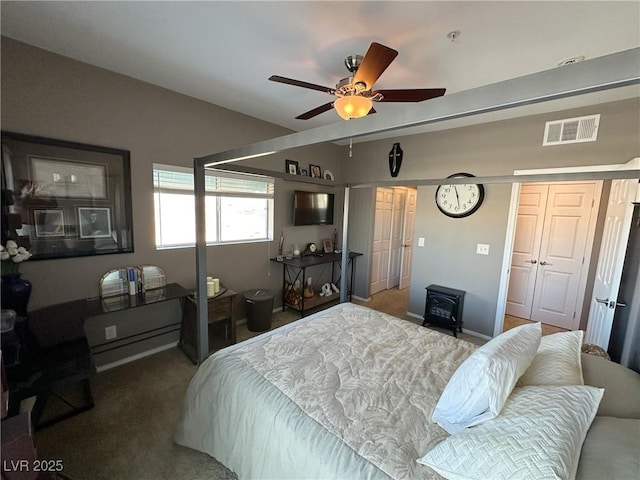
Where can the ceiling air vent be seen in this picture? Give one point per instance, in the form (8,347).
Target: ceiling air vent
(571,130)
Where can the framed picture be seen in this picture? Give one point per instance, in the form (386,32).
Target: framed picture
(315,171)
(69,179)
(291,167)
(49,223)
(304,172)
(66,199)
(327,246)
(95,222)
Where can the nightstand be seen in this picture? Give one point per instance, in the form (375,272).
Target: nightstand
(222,327)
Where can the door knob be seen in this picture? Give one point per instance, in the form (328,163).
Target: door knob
(532,261)
(600,300)
(545,263)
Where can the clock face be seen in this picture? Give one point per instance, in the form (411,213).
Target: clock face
(459,200)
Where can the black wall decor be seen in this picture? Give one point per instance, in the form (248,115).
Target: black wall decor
(67,199)
(395,159)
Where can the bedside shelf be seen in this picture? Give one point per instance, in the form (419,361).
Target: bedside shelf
(315,301)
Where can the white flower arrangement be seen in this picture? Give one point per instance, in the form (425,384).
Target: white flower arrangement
(12,256)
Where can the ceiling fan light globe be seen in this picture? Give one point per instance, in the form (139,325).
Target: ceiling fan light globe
(352,106)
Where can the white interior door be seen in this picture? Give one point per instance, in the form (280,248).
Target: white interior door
(553,235)
(610,262)
(526,248)
(407,245)
(562,253)
(381,237)
(397,231)
(511,223)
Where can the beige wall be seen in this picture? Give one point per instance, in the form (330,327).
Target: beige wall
(53,96)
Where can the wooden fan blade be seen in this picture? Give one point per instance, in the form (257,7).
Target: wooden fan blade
(372,111)
(300,83)
(316,111)
(375,61)
(409,95)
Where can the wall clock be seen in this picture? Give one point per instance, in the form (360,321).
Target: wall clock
(459,200)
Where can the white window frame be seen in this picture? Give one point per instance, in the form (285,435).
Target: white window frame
(216,188)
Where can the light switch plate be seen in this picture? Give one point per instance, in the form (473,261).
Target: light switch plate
(482,249)
(421,241)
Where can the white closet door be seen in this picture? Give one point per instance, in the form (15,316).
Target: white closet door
(381,238)
(397,230)
(407,246)
(554,225)
(526,248)
(562,251)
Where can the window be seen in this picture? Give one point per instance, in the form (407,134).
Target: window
(239,207)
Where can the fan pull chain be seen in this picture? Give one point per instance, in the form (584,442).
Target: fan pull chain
(350,147)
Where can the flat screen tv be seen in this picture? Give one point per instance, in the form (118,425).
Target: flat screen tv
(312,208)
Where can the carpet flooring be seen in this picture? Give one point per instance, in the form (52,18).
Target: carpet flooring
(128,435)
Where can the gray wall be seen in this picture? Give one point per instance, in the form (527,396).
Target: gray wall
(52,96)
(497,148)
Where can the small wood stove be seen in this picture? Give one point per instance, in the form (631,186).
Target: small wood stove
(443,308)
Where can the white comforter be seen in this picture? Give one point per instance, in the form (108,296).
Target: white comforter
(345,393)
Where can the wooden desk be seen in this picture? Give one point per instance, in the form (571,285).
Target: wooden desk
(295,269)
(222,327)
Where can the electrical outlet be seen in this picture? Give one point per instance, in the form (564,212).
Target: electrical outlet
(482,249)
(421,241)
(110,332)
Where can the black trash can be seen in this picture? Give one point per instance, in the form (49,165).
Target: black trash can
(259,308)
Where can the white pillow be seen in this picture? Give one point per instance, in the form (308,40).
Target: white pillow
(479,387)
(538,435)
(558,361)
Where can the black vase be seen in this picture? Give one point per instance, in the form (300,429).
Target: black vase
(15,293)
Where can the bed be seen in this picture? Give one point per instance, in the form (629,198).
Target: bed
(348,392)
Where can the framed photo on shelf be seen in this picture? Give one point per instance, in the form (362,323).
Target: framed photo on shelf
(291,167)
(304,172)
(327,246)
(315,170)
(67,199)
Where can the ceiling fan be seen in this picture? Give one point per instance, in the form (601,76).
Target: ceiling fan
(354,94)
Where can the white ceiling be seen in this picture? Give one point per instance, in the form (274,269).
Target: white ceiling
(224,52)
